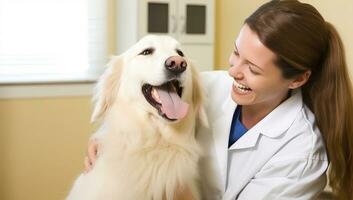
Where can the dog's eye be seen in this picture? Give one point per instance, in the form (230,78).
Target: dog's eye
(180,52)
(147,51)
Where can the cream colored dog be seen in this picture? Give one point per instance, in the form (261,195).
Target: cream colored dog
(148,100)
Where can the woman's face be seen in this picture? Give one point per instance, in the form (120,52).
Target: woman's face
(257,80)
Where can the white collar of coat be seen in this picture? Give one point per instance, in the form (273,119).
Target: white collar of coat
(274,124)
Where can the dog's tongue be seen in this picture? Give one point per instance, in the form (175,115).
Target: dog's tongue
(172,105)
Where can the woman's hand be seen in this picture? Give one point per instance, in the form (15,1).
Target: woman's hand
(183,194)
(92,153)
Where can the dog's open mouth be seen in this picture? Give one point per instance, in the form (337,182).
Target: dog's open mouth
(166,98)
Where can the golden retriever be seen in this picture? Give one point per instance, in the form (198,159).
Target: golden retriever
(148,102)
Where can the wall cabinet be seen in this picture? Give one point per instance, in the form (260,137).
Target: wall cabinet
(189,21)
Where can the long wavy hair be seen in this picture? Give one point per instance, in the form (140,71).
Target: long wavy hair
(302,40)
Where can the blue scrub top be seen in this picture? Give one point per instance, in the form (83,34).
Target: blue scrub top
(237,128)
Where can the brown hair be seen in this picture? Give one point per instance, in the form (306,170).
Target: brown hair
(303,40)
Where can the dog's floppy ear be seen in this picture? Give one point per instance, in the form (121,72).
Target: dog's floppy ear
(198,96)
(107,88)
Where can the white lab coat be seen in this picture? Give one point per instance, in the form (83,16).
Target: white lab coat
(281,157)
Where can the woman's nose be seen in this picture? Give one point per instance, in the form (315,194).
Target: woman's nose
(235,66)
(235,72)
(230,59)
(234,61)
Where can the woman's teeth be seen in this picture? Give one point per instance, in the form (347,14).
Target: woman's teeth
(241,87)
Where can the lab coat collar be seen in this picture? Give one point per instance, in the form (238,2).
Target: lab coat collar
(274,124)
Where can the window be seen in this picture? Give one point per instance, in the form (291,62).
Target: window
(52,40)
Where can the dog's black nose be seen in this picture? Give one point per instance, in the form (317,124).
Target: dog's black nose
(175,64)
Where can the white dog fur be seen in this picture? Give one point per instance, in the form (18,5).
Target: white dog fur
(143,156)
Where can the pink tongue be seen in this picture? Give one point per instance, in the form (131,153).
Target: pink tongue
(172,105)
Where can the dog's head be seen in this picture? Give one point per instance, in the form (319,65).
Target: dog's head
(155,76)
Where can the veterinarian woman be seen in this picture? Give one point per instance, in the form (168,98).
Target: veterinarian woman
(286,95)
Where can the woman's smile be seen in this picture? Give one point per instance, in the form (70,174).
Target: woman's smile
(240,88)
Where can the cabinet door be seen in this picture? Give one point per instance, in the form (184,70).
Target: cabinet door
(196,18)
(157,17)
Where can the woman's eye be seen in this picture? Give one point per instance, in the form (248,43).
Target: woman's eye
(236,53)
(252,71)
(147,51)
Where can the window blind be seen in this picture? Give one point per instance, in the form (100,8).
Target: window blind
(47,38)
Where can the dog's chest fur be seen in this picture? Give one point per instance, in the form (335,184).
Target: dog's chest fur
(142,160)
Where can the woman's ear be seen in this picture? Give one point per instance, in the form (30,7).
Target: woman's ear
(107,88)
(198,96)
(300,80)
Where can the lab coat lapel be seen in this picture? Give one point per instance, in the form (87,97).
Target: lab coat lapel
(221,128)
(286,113)
(248,140)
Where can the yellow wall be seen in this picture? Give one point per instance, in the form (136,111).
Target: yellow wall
(230,15)
(42,146)
(43,141)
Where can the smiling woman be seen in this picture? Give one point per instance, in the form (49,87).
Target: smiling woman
(51,38)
